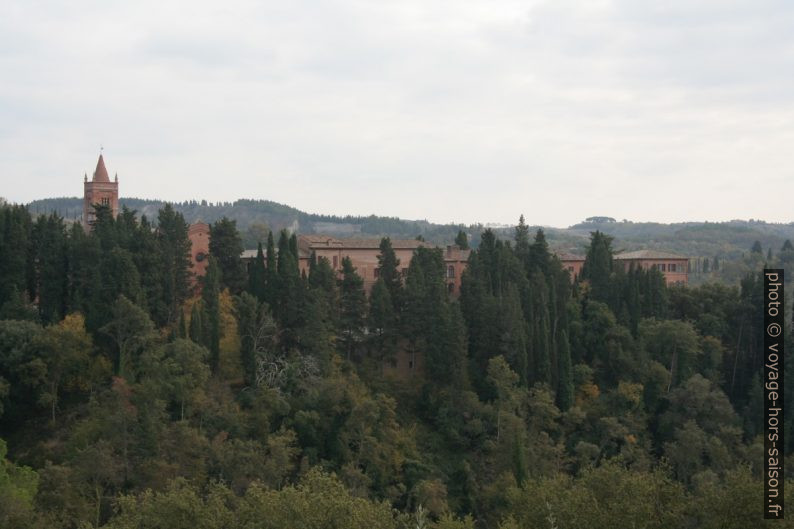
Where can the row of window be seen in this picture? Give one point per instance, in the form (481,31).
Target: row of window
(664,267)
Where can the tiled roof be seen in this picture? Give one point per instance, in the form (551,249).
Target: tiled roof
(397,244)
(324,241)
(198,226)
(649,254)
(570,257)
(309,243)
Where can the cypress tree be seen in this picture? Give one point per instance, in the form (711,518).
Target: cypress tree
(321,275)
(381,322)
(565,389)
(293,246)
(513,333)
(388,270)
(597,267)
(226,245)
(289,299)
(210,294)
(50,250)
(182,327)
(15,226)
(539,255)
(462,240)
(248,312)
(353,307)
(174,250)
(521,237)
(196,330)
(541,343)
(271,277)
(257,275)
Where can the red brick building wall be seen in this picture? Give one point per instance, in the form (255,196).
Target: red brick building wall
(199,235)
(364,255)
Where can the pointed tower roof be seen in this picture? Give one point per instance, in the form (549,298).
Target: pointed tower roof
(101,173)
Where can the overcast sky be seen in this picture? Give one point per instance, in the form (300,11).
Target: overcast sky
(452,110)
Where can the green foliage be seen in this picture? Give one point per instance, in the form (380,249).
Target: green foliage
(598,266)
(226,246)
(210,295)
(257,276)
(174,249)
(389,271)
(603,498)
(18,487)
(132,331)
(530,401)
(353,305)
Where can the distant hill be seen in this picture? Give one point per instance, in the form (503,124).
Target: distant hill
(275,216)
(713,239)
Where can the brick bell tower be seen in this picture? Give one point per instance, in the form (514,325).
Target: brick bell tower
(99,190)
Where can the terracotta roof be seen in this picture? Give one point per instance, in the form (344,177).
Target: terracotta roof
(309,243)
(198,226)
(570,257)
(397,244)
(324,241)
(101,173)
(649,254)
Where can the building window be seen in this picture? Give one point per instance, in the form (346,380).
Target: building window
(450,272)
(336,262)
(377,273)
(671,268)
(105,201)
(663,267)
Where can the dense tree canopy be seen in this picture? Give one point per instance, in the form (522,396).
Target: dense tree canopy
(133,396)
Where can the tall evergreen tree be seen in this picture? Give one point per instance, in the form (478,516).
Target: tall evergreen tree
(541,329)
(196,330)
(210,294)
(462,240)
(15,232)
(353,307)
(513,333)
(522,249)
(257,276)
(50,251)
(565,389)
(539,255)
(174,251)
(382,323)
(389,271)
(271,278)
(289,300)
(226,246)
(597,267)
(146,251)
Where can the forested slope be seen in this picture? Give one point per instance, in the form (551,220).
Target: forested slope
(128,400)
